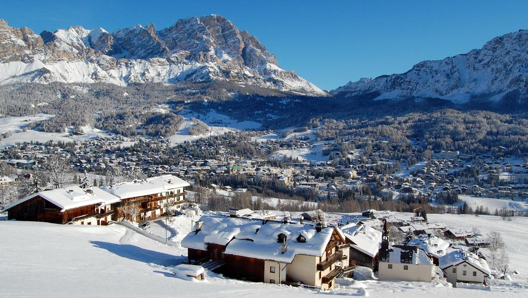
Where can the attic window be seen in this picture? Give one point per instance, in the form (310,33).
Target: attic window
(301,239)
(282,238)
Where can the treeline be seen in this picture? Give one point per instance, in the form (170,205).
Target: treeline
(475,132)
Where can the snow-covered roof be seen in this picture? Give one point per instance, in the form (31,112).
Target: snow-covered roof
(363,238)
(146,187)
(72,197)
(218,230)
(188,270)
(457,257)
(460,233)
(250,238)
(419,256)
(433,246)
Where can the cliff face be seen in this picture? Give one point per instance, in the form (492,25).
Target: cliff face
(194,50)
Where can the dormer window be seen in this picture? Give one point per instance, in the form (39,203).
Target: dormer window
(301,239)
(282,238)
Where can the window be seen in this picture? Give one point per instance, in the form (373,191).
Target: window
(390,266)
(272,281)
(454,270)
(474,273)
(405,267)
(272,269)
(464,272)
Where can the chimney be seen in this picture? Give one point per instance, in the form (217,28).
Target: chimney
(302,219)
(284,248)
(198,226)
(286,219)
(318,227)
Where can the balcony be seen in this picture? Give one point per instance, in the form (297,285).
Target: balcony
(330,260)
(330,276)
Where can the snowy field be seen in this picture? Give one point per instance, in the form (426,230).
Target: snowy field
(16,125)
(315,153)
(494,204)
(48,260)
(218,123)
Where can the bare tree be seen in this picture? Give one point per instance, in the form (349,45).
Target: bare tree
(498,256)
(59,169)
(131,210)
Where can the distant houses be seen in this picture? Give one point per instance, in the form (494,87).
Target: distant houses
(141,199)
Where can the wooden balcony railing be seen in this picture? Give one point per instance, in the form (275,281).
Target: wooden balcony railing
(330,260)
(330,276)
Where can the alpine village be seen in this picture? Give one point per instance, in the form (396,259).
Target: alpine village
(186,159)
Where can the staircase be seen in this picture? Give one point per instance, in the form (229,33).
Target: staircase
(213,265)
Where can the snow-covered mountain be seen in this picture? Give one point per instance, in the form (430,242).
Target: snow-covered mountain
(194,50)
(497,71)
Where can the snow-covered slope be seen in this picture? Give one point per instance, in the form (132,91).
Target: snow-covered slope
(498,69)
(48,260)
(193,50)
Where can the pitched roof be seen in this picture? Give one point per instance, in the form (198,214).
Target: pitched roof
(457,257)
(71,197)
(146,187)
(433,246)
(250,238)
(363,238)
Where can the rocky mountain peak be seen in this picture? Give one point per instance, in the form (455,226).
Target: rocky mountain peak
(139,42)
(17,44)
(195,50)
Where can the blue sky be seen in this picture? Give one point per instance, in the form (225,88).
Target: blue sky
(327,42)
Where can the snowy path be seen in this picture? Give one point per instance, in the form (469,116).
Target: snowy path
(131,227)
(163,225)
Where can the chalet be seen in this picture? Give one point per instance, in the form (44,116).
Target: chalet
(407,263)
(477,241)
(364,244)
(91,206)
(459,266)
(458,234)
(271,252)
(148,198)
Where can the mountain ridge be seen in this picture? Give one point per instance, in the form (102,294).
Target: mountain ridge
(195,50)
(494,72)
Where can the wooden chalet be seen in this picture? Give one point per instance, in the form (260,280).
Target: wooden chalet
(149,198)
(457,234)
(91,206)
(268,251)
(364,243)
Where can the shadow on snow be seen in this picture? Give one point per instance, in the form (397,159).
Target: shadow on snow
(140,254)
